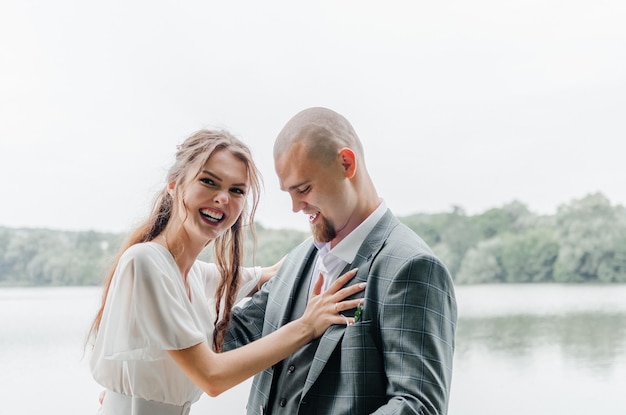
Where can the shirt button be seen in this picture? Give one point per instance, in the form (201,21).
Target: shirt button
(283,402)
(291,369)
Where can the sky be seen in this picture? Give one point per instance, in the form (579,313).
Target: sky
(470,104)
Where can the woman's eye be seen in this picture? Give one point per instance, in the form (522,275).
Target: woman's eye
(208,181)
(238,191)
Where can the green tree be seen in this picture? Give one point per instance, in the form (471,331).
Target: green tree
(482,264)
(587,229)
(512,217)
(528,257)
(612,266)
(450,235)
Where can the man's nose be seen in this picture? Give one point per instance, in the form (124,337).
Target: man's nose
(296,204)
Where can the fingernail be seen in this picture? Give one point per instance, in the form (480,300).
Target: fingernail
(362,285)
(355,269)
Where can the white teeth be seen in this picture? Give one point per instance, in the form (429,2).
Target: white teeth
(211,215)
(313,216)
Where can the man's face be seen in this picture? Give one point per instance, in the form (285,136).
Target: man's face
(317,190)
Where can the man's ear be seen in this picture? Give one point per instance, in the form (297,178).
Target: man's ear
(348,161)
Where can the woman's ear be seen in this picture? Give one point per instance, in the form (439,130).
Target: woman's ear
(170,188)
(348,161)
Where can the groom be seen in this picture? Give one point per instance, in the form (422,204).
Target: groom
(397,357)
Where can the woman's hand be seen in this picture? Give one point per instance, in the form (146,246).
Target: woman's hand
(324,310)
(217,372)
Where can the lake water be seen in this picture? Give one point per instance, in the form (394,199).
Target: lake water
(521,349)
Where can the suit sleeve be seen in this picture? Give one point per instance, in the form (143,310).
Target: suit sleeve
(250,320)
(247,321)
(417,319)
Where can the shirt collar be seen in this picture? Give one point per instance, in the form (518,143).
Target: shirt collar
(349,246)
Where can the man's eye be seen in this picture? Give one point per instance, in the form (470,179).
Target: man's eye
(304,190)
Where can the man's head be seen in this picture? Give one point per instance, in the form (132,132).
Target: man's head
(319,161)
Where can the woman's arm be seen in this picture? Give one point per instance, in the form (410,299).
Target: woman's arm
(215,373)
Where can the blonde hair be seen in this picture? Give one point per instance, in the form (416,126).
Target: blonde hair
(191,155)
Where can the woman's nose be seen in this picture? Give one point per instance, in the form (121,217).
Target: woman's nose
(221,197)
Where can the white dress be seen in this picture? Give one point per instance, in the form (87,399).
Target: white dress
(147,313)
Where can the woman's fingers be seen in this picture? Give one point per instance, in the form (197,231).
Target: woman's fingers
(343,306)
(338,291)
(342,280)
(317,287)
(347,291)
(336,286)
(347,305)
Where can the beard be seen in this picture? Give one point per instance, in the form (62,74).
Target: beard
(323,230)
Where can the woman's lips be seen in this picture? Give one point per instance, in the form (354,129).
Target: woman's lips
(212,215)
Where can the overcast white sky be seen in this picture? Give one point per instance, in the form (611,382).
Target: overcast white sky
(468,103)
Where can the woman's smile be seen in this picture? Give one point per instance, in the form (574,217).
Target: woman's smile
(212,215)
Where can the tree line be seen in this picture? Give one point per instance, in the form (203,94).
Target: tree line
(583,242)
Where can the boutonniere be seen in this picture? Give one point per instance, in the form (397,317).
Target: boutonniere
(357,313)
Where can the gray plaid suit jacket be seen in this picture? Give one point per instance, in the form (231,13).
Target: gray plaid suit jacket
(396,360)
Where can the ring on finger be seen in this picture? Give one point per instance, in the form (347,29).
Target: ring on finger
(337,307)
